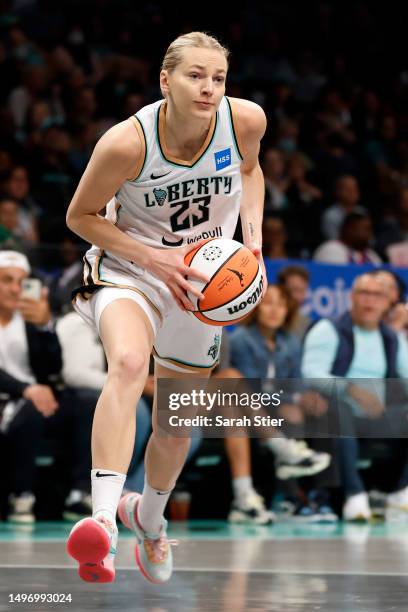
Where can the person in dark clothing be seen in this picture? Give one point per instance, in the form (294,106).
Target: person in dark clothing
(358,352)
(31,405)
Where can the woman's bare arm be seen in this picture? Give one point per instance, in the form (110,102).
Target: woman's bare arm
(116,158)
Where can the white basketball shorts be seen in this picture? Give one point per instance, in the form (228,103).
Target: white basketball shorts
(182,342)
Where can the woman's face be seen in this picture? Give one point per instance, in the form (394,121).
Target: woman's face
(272,310)
(196,86)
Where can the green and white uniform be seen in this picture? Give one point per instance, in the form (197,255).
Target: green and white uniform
(171,203)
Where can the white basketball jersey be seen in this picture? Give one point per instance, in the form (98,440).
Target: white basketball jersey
(174,202)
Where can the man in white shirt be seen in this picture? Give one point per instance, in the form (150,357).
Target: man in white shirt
(30,365)
(29,355)
(356,235)
(360,353)
(347,201)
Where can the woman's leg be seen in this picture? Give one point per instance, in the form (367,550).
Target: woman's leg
(143,430)
(127,337)
(165,454)
(164,459)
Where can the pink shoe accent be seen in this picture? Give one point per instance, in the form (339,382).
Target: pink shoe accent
(122,509)
(142,569)
(158,547)
(89,544)
(136,515)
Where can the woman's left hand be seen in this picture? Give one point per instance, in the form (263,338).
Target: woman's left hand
(256,249)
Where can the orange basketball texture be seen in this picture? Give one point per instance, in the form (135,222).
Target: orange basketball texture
(236,275)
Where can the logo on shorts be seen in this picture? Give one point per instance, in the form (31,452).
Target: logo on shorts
(222,159)
(160,195)
(213,350)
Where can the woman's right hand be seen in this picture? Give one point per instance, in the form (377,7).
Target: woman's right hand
(168,265)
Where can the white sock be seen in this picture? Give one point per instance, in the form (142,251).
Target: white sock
(242,486)
(107,488)
(277,445)
(151,507)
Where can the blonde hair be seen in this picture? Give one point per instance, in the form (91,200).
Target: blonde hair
(173,56)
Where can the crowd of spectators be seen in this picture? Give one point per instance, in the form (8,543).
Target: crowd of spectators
(336,143)
(335,161)
(52,369)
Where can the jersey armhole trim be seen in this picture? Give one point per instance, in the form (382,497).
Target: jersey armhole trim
(234,130)
(140,130)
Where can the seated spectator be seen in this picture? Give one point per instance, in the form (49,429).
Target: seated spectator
(296,279)
(5,161)
(347,196)
(356,234)
(283,104)
(382,152)
(53,171)
(263,348)
(333,160)
(276,183)
(355,347)
(30,360)
(274,238)
(397,313)
(247,505)
(69,275)
(33,85)
(10,223)
(309,76)
(288,135)
(393,238)
(83,144)
(17,187)
(366,116)
(335,114)
(300,190)
(303,218)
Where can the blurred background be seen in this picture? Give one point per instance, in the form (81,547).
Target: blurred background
(332,78)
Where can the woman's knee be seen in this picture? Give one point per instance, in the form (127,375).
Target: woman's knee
(129,365)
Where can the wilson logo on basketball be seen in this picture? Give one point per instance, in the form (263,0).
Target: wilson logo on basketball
(253,298)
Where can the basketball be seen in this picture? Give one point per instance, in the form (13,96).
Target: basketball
(235,285)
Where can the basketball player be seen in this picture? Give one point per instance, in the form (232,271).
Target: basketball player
(181,170)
